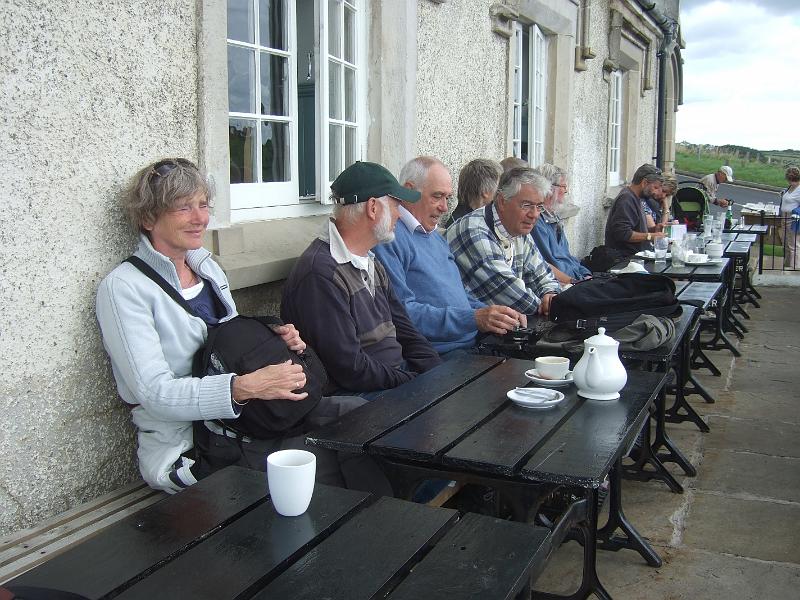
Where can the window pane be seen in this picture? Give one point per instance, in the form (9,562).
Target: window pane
(334,151)
(240,20)
(334,90)
(274,84)
(349,94)
(335,28)
(241,80)
(272,24)
(242,144)
(349,35)
(350,146)
(275,164)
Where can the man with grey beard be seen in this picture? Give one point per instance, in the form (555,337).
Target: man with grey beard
(341,298)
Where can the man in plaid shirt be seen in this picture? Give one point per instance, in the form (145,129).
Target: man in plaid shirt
(498,261)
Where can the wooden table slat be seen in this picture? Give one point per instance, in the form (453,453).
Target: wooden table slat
(505,443)
(356,563)
(583,451)
(401,404)
(235,559)
(124,550)
(444,424)
(480,558)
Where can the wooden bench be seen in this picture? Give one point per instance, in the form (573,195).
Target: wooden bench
(28,548)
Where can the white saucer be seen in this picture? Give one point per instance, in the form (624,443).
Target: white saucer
(650,254)
(603,397)
(535,398)
(533,375)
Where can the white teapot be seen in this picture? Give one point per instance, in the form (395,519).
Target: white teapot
(599,373)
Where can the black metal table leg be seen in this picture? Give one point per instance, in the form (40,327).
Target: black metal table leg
(590,582)
(632,540)
(720,341)
(644,457)
(698,389)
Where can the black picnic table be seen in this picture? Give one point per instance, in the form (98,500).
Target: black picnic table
(221,538)
(455,422)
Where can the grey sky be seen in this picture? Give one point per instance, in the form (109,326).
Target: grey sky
(739,73)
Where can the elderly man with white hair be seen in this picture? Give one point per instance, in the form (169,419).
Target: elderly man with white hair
(424,274)
(341,298)
(549,235)
(710,183)
(498,261)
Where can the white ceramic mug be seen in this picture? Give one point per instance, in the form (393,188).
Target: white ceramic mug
(551,367)
(714,250)
(290,476)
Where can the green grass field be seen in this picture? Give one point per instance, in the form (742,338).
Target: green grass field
(743,170)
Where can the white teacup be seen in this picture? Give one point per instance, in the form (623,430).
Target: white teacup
(714,250)
(290,476)
(551,367)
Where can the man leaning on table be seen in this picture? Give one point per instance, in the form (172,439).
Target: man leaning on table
(498,261)
(423,271)
(626,228)
(341,298)
(711,184)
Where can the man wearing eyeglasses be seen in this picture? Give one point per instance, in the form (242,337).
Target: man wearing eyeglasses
(626,228)
(548,234)
(423,272)
(498,261)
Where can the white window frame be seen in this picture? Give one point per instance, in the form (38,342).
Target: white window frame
(260,195)
(270,200)
(324,175)
(537,111)
(516,96)
(615,127)
(537,93)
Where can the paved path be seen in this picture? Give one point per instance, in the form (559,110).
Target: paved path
(735,533)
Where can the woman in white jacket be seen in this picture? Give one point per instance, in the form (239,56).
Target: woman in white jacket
(151,340)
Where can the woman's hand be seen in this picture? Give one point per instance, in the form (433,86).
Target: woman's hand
(291,336)
(273,382)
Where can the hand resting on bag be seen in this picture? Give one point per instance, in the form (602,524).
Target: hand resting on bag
(273,382)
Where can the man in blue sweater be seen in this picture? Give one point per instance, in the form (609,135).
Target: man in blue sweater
(424,274)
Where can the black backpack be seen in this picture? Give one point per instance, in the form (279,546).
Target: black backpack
(602,258)
(612,302)
(245,344)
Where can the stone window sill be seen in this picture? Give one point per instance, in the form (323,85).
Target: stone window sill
(263,251)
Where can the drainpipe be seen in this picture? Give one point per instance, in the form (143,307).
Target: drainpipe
(670,28)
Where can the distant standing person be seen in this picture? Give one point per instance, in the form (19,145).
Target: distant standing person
(711,182)
(790,200)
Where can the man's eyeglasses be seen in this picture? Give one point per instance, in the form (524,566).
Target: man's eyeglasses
(528,206)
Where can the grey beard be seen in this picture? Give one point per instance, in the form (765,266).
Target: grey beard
(383,229)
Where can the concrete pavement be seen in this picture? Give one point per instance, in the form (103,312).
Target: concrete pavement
(735,531)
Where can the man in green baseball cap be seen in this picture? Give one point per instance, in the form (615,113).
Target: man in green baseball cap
(364,180)
(341,298)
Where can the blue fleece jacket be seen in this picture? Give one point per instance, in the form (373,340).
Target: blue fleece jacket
(426,279)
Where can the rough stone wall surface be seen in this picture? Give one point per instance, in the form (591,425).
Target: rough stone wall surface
(462,81)
(590,109)
(91,91)
(590,140)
